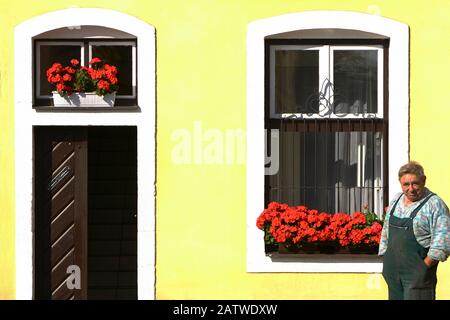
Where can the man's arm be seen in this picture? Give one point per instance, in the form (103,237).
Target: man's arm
(384,236)
(440,230)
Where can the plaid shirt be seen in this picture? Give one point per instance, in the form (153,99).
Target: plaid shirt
(431,225)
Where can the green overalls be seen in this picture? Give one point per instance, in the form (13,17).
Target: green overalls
(404,270)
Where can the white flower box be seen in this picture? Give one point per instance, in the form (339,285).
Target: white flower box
(85,99)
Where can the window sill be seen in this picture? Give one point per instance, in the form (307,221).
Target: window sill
(87,109)
(318,263)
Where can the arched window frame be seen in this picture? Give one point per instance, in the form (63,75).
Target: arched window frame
(398,101)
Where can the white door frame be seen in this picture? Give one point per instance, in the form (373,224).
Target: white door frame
(26,117)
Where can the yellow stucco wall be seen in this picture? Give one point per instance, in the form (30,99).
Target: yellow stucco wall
(201,76)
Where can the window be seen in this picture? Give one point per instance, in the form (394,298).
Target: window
(120,53)
(319,29)
(326,100)
(326,81)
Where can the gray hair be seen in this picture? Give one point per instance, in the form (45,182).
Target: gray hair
(411,167)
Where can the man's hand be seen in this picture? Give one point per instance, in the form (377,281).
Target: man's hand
(430,262)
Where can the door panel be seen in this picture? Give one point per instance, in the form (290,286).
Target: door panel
(60,210)
(69,181)
(112,239)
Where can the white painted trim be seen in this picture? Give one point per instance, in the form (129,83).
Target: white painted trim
(26,117)
(83,59)
(380,77)
(84,32)
(323,72)
(398,109)
(321,263)
(326,55)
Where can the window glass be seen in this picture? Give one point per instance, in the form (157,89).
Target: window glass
(329,171)
(122,57)
(50,54)
(355,81)
(296,81)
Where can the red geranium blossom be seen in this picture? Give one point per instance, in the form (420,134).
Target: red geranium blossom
(298,224)
(100,77)
(95,60)
(102,84)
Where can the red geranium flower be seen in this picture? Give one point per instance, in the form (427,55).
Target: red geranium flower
(102,84)
(298,225)
(101,78)
(95,60)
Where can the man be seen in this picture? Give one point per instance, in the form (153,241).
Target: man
(415,238)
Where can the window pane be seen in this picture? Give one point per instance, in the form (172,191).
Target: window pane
(50,54)
(122,57)
(296,81)
(329,171)
(355,81)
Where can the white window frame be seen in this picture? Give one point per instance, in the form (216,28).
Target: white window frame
(398,102)
(326,54)
(90,43)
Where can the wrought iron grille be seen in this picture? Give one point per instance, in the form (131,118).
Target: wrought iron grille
(329,165)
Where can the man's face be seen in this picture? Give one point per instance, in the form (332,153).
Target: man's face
(412,186)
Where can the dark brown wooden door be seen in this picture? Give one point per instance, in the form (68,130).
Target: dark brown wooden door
(60,201)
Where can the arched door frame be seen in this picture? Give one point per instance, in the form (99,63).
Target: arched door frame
(26,117)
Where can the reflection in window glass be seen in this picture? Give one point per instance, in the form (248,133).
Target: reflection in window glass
(121,57)
(296,81)
(50,54)
(329,171)
(355,81)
